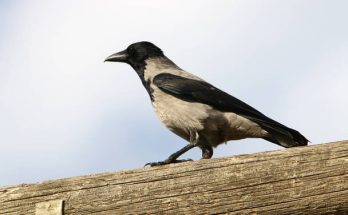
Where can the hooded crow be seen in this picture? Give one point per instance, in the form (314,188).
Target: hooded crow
(197,111)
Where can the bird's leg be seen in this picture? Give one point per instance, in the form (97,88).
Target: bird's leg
(207,151)
(173,157)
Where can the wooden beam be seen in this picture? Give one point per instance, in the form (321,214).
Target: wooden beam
(303,180)
(53,207)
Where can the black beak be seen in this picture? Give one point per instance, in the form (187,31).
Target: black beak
(118,57)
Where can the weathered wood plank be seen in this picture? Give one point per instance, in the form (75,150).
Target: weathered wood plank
(53,207)
(304,180)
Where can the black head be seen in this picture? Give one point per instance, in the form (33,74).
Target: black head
(136,53)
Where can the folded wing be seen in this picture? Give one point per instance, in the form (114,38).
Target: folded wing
(199,91)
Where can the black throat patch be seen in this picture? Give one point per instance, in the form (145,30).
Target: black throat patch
(140,70)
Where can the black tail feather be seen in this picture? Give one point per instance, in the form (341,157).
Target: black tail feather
(279,133)
(284,136)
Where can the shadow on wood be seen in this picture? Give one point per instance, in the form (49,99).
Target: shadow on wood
(303,180)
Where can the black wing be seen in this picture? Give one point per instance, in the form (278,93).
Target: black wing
(199,91)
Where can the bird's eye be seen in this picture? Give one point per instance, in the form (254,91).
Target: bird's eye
(136,53)
(130,49)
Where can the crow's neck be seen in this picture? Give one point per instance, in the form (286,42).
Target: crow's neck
(149,68)
(155,66)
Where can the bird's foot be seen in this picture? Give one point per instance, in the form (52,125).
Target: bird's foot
(165,162)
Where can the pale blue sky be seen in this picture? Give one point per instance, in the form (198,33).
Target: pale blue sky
(63,112)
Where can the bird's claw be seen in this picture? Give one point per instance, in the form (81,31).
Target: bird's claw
(165,162)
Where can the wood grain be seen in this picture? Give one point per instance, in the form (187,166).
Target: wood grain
(303,180)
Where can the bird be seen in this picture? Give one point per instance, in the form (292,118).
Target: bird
(196,110)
